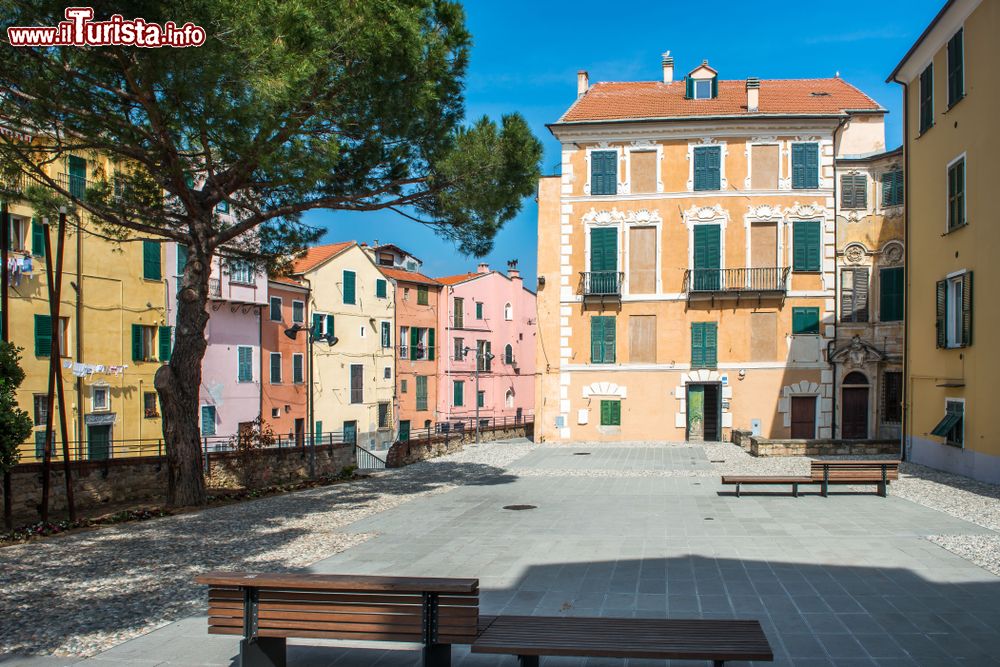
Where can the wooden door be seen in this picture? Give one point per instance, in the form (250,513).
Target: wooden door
(855,413)
(696,412)
(804,417)
(98,442)
(300,432)
(404,430)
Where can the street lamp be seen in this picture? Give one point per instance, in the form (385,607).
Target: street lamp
(331,340)
(481,355)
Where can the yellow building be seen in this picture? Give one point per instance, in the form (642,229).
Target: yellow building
(868,353)
(687,257)
(114,333)
(351,313)
(951,96)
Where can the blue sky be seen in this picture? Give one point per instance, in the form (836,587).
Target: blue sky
(526,54)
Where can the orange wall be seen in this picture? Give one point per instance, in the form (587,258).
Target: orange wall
(273,339)
(411,314)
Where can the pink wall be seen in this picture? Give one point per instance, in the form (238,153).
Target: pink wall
(494,290)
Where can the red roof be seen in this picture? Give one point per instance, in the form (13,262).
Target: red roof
(399,275)
(460,278)
(653,99)
(316,255)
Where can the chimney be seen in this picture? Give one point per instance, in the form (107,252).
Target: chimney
(512,270)
(753,94)
(668,67)
(483,268)
(582,82)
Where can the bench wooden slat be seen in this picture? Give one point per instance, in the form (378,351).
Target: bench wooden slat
(339,582)
(764,479)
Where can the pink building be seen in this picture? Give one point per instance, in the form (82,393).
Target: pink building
(230,392)
(486,313)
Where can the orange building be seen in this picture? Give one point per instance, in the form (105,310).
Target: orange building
(284,376)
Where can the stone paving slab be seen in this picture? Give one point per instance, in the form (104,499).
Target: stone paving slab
(845,580)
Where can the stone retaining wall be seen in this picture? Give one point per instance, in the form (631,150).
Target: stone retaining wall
(766,447)
(405,453)
(96,483)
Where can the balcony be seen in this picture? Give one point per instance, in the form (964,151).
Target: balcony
(77,185)
(736,282)
(13,183)
(601,284)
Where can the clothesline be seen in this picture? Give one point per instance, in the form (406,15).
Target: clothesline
(85,370)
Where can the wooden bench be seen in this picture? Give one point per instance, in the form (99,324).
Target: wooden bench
(530,637)
(857,472)
(266,609)
(739,480)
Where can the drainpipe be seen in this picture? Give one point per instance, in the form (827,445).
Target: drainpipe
(79,346)
(311,429)
(906,269)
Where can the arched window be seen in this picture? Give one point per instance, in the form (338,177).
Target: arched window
(509,398)
(855,377)
(508,312)
(508,355)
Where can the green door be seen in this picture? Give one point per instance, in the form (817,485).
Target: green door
(696,412)
(707,258)
(99,442)
(77,176)
(351,433)
(603,261)
(404,430)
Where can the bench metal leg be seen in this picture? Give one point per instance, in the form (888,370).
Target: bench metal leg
(437,655)
(737,490)
(718,663)
(527,660)
(262,652)
(795,490)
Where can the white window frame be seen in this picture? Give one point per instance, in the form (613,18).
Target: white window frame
(270,368)
(953,310)
(763,141)
(694,89)
(270,304)
(97,406)
(508,312)
(385,328)
(150,349)
(404,342)
(20,230)
(723,154)
(296,303)
(643,147)
(695,217)
(238,348)
(820,181)
(602,148)
(240,272)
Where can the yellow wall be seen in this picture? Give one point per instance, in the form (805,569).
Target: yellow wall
(114,296)
(970,128)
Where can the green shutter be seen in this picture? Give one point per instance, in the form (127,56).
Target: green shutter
(459,393)
(708,167)
(715,86)
(207,420)
(891,294)
(380,290)
(927,98)
(430,344)
(77,176)
(602,339)
(414,342)
(422,295)
(956,65)
(703,345)
(349,279)
(245,364)
(941,320)
(137,352)
(897,189)
(609,340)
(479,310)
(605,413)
(967,309)
(330,330)
(805,320)
(421,392)
(805,166)
(806,252)
(37,238)
(707,256)
(43,335)
(604,172)
(603,261)
(151,260)
(164,336)
(182,258)
(688,88)
(317,325)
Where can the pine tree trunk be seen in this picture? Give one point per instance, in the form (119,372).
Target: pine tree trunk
(178,383)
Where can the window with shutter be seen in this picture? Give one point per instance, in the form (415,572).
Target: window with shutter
(458,393)
(182,259)
(244,371)
(805,166)
(459,312)
(941,320)
(891,294)
(854,295)
(357,383)
(298,312)
(956,194)
(707,167)
(380,288)
(892,188)
(603,261)
(430,344)
(421,392)
(479,310)
(329,326)
(138,344)
(807,245)
(317,328)
(275,309)
(43,335)
(927,98)
(956,69)
(207,420)
(164,339)
(707,251)
(967,309)
(297,370)
(37,238)
(704,342)
(77,176)
(854,191)
(415,351)
(349,287)
(611,413)
(275,368)
(805,321)
(422,299)
(386,335)
(602,339)
(954,311)
(151,260)
(604,172)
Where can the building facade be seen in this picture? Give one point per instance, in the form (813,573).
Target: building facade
(417,354)
(867,355)
(489,320)
(688,255)
(114,330)
(352,311)
(231,371)
(284,348)
(951,95)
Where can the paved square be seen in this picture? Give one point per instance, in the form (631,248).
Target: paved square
(647,530)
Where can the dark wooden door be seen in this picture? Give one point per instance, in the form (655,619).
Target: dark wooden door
(803,417)
(855,413)
(713,413)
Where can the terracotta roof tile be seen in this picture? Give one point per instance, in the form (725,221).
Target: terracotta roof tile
(316,255)
(653,99)
(460,278)
(285,280)
(408,276)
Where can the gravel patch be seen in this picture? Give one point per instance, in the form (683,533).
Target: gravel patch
(983,550)
(80,594)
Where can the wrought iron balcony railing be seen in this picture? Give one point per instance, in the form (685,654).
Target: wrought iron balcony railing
(77,185)
(766,279)
(601,283)
(13,183)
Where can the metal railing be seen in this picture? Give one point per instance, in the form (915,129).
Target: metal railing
(460,425)
(367,459)
(77,185)
(766,279)
(601,283)
(13,183)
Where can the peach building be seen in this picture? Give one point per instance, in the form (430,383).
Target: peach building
(687,257)
(284,388)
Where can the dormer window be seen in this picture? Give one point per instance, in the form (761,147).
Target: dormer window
(702,83)
(703,89)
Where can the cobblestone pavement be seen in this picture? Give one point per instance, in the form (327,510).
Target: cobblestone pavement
(81,594)
(636,529)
